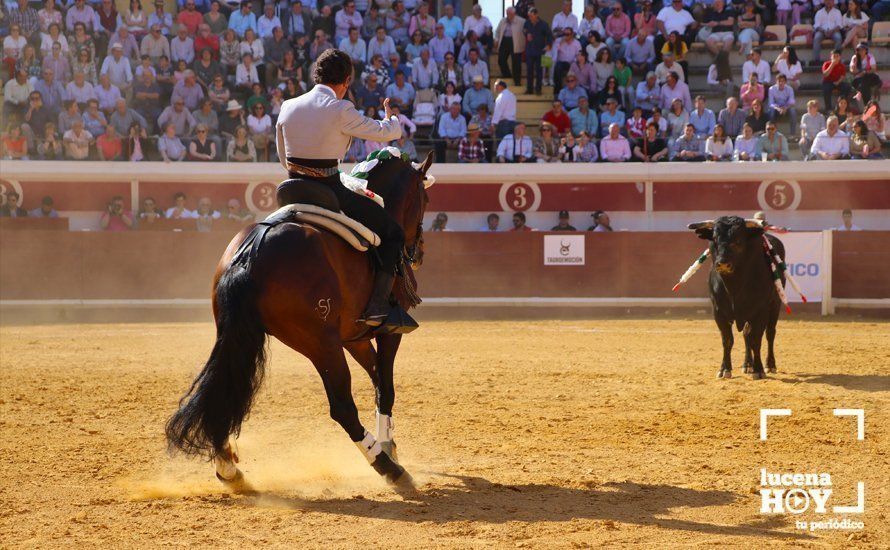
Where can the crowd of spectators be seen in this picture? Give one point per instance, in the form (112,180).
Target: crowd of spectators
(206,81)
(600,223)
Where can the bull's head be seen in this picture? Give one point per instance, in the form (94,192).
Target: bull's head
(732,239)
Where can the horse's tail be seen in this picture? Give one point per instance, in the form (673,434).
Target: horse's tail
(221,396)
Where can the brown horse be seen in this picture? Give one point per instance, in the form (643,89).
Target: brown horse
(306,287)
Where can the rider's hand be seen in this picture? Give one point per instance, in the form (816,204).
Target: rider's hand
(386,110)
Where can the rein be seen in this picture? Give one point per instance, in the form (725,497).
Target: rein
(409,256)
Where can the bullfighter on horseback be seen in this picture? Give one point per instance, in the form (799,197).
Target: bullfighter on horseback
(312,135)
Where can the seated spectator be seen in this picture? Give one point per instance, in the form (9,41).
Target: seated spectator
(116,217)
(831,143)
(11,207)
(375,66)
(150,211)
(45,210)
(16,92)
(516,147)
(424,71)
(702,119)
(77,141)
(492,221)
(623,80)
(486,126)
(69,114)
(109,145)
(757,66)
(50,147)
(811,123)
(79,90)
(572,93)
(93,120)
(563,223)
(235,212)
(845,115)
(863,69)
(450,71)
(614,147)
(135,136)
(827,25)
(675,89)
(477,95)
(205,214)
(474,67)
(370,94)
(585,149)
(471,43)
(864,144)
(640,54)
(688,147)
(440,44)
(749,24)
(207,40)
(257,95)
(471,149)
(451,130)
(603,66)
(848,225)
(789,65)
(179,211)
(240,148)
(746,145)
(772,144)
(218,93)
(566,149)
(636,125)
(584,119)
(440,222)
(118,69)
(650,148)
(757,118)
(15,144)
(246,75)
(565,48)
(261,130)
(406,146)
(170,146)
(648,94)
(585,72)
(781,102)
(718,147)
(165,78)
(676,46)
(51,90)
(416,46)
(610,90)
(720,75)
(178,116)
(546,147)
(401,92)
(601,222)
(201,148)
(677,120)
(519,223)
(205,68)
(750,91)
(661,123)
(834,78)
(732,118)
(717,28)
(233,118)
(611,116)
(664,69)
(558,118)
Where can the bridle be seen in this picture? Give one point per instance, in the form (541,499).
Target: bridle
(409,253)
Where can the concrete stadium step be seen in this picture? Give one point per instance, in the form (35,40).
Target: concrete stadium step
(698,56)
(811,78)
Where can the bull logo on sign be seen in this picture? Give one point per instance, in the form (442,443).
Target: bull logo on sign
(564,248)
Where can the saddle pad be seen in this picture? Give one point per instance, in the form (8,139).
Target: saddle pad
(336,222)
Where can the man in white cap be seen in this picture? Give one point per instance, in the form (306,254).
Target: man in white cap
(313,132)
(118,69)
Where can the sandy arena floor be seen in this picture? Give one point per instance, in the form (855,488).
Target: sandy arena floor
(520,434)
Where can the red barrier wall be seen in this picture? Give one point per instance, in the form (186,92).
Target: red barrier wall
(44,265)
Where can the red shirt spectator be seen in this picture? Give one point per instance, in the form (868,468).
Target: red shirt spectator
(206,39)
(191,18)
(558,117)
(109,145)
(115,218)
(837,72)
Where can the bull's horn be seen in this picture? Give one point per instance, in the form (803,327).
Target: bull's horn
(709,224)
(752,224)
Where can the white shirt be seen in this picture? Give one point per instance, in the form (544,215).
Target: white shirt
(675,20)
(792,72)
(476,25)
(504,107)
(561,21)
(839,144)
(265,26)
(243,77)
(118,71)
(827,20)
(317,125)
(509,149)
(853,227)
(761,70)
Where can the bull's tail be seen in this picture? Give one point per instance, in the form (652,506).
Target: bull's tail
(221,396)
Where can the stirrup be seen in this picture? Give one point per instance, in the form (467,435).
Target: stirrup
(373,320)
(398,322)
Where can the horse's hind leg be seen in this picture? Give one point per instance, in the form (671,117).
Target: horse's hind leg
(387,347)
(770,340)
(331,366)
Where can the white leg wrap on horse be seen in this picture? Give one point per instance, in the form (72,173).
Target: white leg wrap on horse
(225,467)
(384,427)
(369,447)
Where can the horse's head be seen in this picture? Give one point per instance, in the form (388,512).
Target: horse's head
(402,185)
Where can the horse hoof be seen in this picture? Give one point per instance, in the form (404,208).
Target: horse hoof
(389,447)
(758,375)
(771,370)
(746,369)
(237,479)
(725,374)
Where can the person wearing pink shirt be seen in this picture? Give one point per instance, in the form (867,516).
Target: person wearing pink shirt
(617,30)
(614,147)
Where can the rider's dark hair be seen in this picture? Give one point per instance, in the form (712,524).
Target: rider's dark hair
(332,67)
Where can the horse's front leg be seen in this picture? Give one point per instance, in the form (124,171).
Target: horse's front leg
(387,348)
(363,352)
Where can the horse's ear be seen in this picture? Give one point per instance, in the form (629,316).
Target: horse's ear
(424,168)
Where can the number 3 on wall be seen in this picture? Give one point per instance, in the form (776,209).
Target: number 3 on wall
(519,196)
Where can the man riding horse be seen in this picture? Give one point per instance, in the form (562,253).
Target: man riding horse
(313,133)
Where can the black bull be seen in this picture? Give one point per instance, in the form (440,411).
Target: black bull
(742,289)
